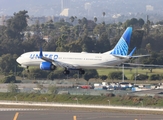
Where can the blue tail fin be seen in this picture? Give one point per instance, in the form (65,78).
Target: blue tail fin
(122,46)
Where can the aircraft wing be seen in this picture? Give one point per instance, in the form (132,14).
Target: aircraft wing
(58,63)
(65,65)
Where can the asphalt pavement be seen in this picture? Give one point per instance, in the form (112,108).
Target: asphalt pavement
(68,114)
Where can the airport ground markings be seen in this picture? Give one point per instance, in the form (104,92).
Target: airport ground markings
(16,116)
(20,109)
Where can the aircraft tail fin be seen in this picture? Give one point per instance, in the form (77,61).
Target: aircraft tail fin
(122,46)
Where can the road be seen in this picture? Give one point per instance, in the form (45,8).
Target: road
(59,111)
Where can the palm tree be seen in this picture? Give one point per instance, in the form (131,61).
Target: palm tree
(79,22)
(72,19)
(95,19)
(103,14)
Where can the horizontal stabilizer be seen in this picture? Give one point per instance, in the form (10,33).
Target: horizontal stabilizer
(137,56)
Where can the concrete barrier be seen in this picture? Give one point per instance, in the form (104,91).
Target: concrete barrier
(48,104)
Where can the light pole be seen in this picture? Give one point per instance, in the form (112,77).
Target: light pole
(123,73)
(46,99)
(16,98)
(141,103)
(136,77)
(109,102)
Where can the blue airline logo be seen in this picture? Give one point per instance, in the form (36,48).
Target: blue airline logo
(36,56)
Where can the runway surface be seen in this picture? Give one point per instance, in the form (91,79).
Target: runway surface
(67,114)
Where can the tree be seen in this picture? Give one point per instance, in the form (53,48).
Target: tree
(103,44)
(8,63)
(87,43)
(79,21)
(103,77)
(103,14)
(155,58)
(139,77)
(148,47)
(116,76)
(136,39)
(51,76)
(72,19)
(141,22)
(90,74)
(17,24)
(95,19)
(9,79)
(84,21)
(155,77)
(36,73)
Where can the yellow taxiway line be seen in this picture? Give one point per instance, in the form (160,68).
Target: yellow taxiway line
(16,116)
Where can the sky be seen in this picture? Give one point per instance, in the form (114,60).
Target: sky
(49,7)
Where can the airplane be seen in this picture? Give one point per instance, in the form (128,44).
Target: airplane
(80,61)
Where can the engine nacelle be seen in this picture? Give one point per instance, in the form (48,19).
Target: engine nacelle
(47,66)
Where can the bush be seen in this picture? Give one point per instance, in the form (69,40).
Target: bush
(103,77)
(36,73)
(116,75)
(91,73)
(8,79)
(155,77)
(139,77)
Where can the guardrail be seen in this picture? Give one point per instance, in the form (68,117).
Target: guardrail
(52,104)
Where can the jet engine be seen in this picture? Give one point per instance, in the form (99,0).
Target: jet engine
(47,66)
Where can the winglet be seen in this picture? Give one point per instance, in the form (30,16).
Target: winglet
(131,53)
(41,55)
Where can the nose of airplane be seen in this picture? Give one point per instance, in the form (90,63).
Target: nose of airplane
(18,60)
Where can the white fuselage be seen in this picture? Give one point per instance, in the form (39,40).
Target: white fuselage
(80,60)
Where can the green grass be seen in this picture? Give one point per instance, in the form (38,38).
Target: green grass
(85,99)
(128,73)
